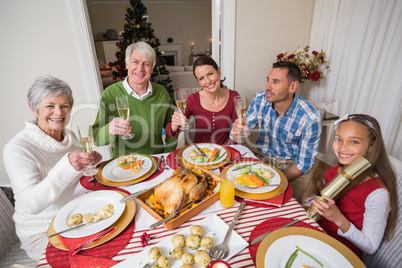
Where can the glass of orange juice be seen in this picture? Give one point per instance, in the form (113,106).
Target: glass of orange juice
(227,191)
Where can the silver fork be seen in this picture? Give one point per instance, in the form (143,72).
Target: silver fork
(165,166)
(93,180)
(237,158)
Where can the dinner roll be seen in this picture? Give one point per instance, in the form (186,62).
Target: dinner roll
(88,218)
(193,241)
(207,242)
(201,257)
(163,262)
(178,240)
(177,252)
(75,219)
(196,230)
(121,161)
(187,258)
(154,253)
(130,159)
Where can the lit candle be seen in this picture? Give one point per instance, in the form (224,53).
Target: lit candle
(210,46)
(192,48)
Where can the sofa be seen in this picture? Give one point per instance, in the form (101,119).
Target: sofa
(181,76)
(10,251)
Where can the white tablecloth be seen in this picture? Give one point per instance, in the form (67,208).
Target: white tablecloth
(250,218)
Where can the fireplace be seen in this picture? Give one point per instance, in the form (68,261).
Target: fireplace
(172,54)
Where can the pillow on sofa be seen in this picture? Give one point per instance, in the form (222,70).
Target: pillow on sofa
(188,68)
(106,72)
(175,69)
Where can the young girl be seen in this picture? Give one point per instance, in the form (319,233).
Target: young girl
(366,211)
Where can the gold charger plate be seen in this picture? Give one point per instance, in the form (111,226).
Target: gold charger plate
(99,177)
(300,231)
(182,162)
(121,223)
(279,190)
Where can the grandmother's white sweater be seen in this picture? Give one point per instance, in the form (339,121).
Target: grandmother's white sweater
(42,178)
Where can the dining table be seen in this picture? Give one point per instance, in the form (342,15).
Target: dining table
(254,218)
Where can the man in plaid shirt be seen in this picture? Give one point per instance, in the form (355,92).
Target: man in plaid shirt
(289,126)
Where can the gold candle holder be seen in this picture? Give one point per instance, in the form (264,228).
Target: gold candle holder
(338,183)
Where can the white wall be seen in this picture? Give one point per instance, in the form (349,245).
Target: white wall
(185,22)
(40,40)
(37,38)
(264,28)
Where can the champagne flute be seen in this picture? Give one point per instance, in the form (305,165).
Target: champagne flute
(123,109)
(180,96)
(86,144)
(240,106)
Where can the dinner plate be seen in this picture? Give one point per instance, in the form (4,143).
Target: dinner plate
(89,203)
(260,196)
(114,173)
(212,226)
(265,189)
(183,156)
(100,178)
(121,224)
(210,146)
(276,248)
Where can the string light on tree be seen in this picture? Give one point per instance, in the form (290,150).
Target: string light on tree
(137,28)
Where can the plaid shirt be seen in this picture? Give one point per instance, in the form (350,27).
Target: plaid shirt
(294,135)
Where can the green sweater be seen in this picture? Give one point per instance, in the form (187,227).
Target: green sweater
(147,118)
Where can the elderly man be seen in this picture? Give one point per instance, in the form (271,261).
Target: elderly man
(289,126)
(150,106)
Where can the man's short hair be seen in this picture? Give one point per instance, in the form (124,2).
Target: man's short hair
(294,73)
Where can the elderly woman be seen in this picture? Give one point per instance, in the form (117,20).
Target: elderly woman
(43,164)
(213,107)
(151,108)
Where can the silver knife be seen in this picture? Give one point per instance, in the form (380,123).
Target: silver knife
(75,227)
(94,239)
(243,165)
(201,152)
(261,237)
(156,224)
(134,195)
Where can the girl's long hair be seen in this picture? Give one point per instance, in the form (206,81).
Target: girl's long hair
(380,165)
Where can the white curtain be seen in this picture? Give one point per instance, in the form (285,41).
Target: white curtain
(363,43)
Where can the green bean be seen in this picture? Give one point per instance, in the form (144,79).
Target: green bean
(309,256)
(260,177)
(220,156)
(217,155)
(291,259)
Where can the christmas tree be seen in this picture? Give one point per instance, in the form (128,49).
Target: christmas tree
(137,28)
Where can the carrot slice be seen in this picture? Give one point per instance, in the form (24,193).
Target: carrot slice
(305,266)
(255,179)
(153,201)
(214,152)
(139,162)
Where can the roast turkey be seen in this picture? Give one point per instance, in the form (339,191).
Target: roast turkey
(181,188)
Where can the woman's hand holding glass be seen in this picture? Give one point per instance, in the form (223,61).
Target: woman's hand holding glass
(180,96)
(123,109)
(86,144)
(79,160)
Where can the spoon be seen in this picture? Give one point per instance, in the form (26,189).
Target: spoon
(221,251)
